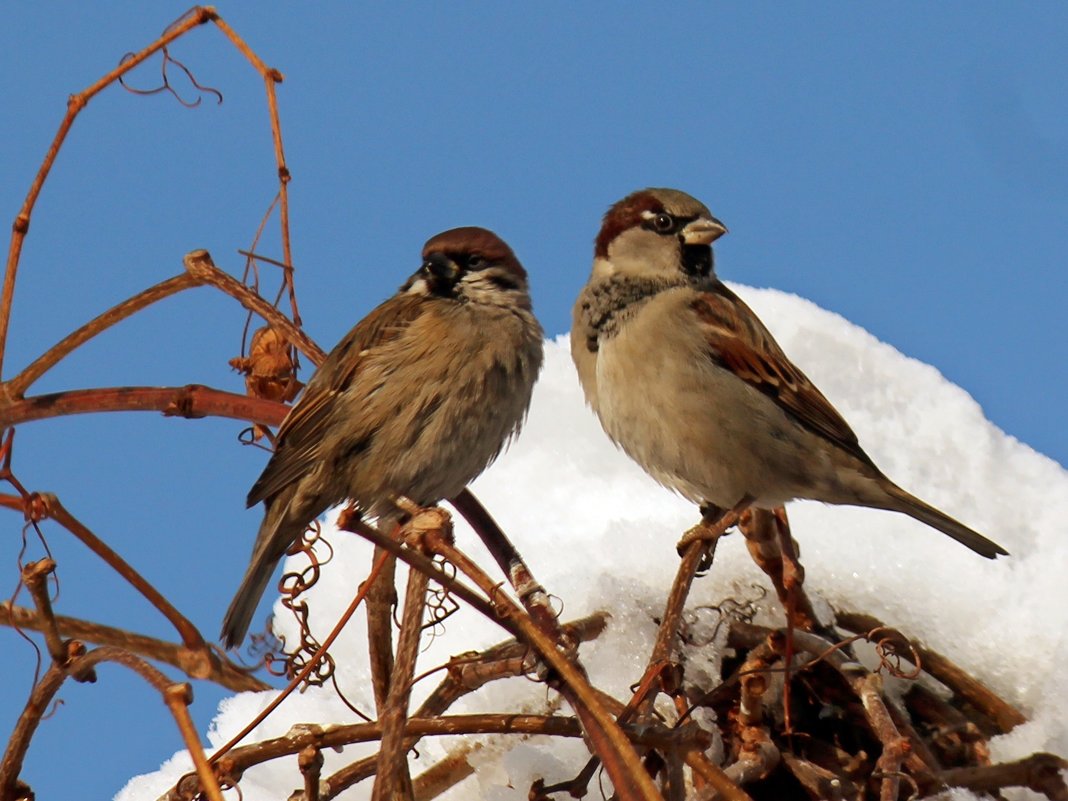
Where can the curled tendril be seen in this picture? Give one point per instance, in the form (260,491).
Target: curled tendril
(285,662)
(165,86)
(248,436)
(440,605)
(53,708)
(888,649)
(729,610)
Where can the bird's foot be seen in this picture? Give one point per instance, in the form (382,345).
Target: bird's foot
(714,524)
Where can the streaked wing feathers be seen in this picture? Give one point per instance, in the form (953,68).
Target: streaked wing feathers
(302,430)
(739,342)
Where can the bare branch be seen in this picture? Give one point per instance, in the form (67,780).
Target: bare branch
(200,265)
(48,506)
(191,401)
(17,386)
(1003,714)
(74,105)
(223,672)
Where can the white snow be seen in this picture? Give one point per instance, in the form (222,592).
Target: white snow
(600,534)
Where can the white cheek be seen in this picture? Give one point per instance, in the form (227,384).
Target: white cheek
(603,268)
(419,287)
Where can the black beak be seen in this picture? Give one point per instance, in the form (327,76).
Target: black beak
(441,266)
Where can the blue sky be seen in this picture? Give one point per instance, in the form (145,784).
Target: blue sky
(906,167)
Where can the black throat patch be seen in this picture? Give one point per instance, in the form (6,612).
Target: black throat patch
(697,260)
(606,304)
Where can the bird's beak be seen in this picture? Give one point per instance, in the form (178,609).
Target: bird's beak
(441,266)
(703,231)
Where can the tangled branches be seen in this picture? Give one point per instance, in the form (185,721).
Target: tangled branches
(795,712)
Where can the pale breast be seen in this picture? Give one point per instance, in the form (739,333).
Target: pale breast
(694,427)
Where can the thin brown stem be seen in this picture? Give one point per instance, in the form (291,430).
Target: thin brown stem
(1005,716)
(35,577)
(75,104)
(1041,773)
(465,675)
(223,672)
(178,697)
(51,508)
(868,688)
(420,562)
(620,759)
(36,706)
(297,680)
(331,737)
(381,599)
(17,386)
(393,780)
(530,593)
(759,757)
(310,762)
(200,264)
(271,78)
(446,773)
(700,544)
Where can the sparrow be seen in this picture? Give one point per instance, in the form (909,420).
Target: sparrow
(686,379)
(416,400)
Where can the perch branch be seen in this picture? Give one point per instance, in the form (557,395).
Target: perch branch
(223,672)
(393,780)
(617,753)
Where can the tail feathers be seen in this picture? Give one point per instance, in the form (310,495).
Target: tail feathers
(925,513)
(276,534)
(239,616)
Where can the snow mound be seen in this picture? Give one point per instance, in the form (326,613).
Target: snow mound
(600,535)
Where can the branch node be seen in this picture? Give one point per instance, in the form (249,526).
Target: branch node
(199,264)
(179,692)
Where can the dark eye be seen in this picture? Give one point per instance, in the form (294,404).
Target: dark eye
(663,223)
(475,261)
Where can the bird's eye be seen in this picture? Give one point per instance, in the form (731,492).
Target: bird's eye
(663,223)
(475,261)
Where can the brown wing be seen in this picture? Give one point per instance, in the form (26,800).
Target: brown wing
(739,342)
(302,430)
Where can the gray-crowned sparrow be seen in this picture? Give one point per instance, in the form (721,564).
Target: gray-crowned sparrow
(690,384)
